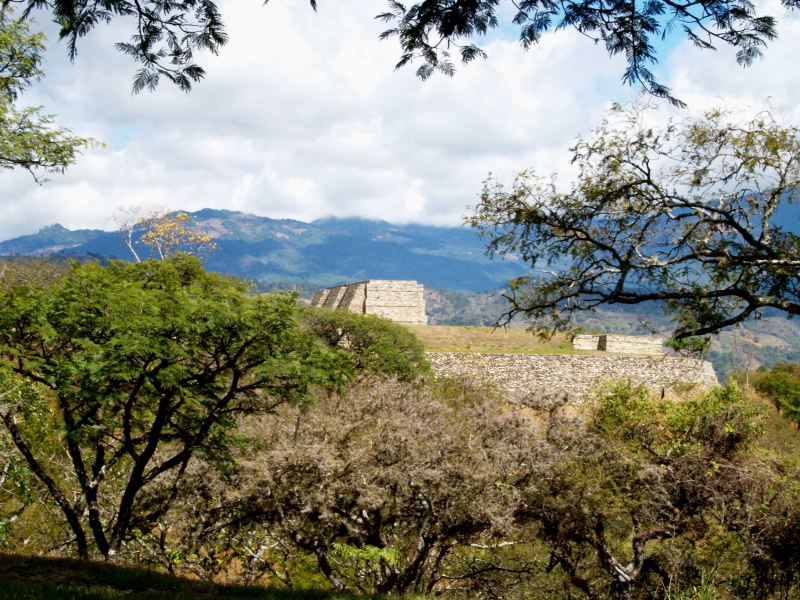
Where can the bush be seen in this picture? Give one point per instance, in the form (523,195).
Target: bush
(374,344)
(782,386)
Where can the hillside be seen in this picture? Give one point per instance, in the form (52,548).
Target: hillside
(322,253)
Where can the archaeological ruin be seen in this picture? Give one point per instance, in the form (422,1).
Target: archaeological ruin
(620,344)
(401,301)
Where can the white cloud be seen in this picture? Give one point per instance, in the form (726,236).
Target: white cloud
(713,79)
(303,116)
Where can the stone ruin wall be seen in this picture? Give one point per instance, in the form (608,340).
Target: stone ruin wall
(519,374)
(401,301)
(579,376)
(623,344)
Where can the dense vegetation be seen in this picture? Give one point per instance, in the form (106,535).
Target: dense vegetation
(157,415)
(781,385)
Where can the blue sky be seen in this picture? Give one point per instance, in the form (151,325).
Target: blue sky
(303,116)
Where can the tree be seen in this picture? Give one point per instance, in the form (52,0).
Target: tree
(160,230)
(31,270)
(635,500)
(427,30)
(694,215)
(28,139)
(18,488)
(376,345)
(144,366)
(386,488)
(438,489)
(167,35)
(781,385)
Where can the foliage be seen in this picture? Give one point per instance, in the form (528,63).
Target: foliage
(29,139)
(375,344)
(625,501)
(440,489)
(167,35)
(18,489)
(429,29)
(26,270)
(782,386)
(391,488)
(144,365)
(161,231)
(686,215)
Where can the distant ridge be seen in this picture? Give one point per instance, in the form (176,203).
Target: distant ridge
(49,240)
(324,252)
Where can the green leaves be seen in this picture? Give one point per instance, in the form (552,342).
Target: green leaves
(20,55)
(428,29)
(373,344)
(29,139)
(149,363)
(686,215)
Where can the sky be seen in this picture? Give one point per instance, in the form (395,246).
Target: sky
(303,116)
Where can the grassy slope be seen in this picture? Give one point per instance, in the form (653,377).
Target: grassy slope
(453,338)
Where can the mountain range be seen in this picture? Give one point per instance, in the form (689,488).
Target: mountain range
(321,253)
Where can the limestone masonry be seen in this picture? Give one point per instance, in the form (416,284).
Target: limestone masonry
(520,374)
(401,301)
(624,344)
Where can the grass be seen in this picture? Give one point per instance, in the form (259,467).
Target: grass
(451,338)
(39,578)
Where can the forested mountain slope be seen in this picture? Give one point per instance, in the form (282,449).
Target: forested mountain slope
(322,253)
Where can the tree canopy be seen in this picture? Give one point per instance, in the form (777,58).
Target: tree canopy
(375,345)
(697,215)
(443,490)
(167,35)
(144,366)
(29,139)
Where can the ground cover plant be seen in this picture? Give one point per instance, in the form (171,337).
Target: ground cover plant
(40,578)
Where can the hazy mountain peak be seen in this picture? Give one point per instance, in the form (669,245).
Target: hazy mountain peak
(322,253)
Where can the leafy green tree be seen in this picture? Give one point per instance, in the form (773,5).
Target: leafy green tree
(18,488)
(374,344)
(694,215)
(29,139)
(626,502)
(167,35)
(144,366)
(781,385)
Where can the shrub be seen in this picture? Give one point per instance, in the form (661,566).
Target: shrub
(374,344)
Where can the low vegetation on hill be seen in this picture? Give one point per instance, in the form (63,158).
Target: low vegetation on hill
(155,416)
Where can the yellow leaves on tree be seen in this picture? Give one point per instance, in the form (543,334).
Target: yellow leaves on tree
(164,232)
